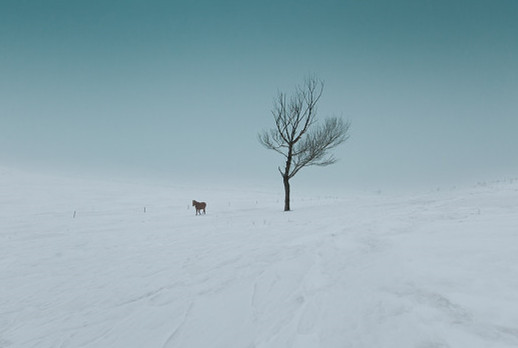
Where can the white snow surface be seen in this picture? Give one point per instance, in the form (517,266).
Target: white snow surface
(134,267)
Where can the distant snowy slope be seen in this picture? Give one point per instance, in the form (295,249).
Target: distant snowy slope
(113,264)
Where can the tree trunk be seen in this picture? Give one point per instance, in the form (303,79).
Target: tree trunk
(286,181)
(286,177)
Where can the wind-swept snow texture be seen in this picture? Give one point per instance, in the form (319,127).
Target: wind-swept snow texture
(93,264)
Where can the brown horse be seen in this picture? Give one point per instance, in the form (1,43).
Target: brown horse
(199,206)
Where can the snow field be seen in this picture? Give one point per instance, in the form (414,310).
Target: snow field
(429,270)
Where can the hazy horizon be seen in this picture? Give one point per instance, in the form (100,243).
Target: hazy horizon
(181,89)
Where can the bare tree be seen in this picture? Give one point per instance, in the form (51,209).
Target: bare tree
(298,137)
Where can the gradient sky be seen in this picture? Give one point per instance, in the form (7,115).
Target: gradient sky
(181,88)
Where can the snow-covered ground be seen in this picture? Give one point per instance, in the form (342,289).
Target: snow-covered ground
(116,264)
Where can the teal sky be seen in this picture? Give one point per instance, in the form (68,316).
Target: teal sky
(181,88)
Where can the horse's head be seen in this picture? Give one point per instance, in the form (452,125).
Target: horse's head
(193,202)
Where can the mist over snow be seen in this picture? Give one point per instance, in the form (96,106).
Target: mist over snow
(100,263)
